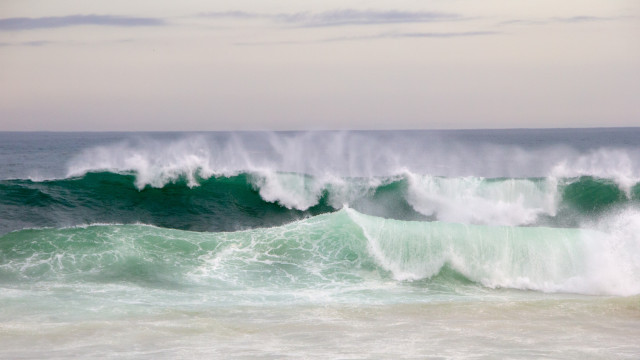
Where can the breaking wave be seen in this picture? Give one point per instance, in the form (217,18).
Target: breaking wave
(337,254)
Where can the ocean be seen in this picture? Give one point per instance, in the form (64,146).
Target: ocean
(461,244)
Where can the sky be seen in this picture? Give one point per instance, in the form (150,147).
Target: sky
(159,65)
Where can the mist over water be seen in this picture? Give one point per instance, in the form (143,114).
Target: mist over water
(229,231)
(366,154)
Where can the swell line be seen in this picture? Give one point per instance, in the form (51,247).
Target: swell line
(263,199)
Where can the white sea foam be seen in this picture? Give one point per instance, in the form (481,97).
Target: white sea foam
(543,259)
(156,163)
(616,164)
(614,252)
(474,200)
(293,191)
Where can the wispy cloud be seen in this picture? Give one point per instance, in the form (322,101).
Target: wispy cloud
(577,19)
(341,17)
(359,17)
(36,43)
(14,24)
(523,22)
(235,14)
(379,37)
(39,43)
(566,20)
(442,35)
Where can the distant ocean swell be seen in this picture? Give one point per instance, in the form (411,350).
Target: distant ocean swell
(249,200)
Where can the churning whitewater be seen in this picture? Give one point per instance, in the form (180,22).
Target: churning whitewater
(342,253)
(99,230)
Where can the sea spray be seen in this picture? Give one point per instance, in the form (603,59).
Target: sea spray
(158,160)
(482,201)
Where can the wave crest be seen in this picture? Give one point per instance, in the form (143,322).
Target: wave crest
(266,198)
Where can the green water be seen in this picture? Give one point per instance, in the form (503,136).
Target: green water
(469,244)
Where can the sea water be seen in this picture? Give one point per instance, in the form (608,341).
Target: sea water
(392,244)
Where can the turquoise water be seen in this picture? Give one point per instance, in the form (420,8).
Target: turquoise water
(281,246)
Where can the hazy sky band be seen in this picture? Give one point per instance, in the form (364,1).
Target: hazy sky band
(202,65)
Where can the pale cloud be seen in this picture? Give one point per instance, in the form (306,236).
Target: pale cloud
(574,19)
(568,19)
(342,17)
(393,35)
(235,14)
(441,35)
(39,43)
(27,43)
(24,23)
